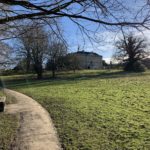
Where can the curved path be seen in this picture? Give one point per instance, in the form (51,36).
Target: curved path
(36,130)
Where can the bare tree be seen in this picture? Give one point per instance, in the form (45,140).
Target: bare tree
(104,13)
(34,47)
(130,51)
(56,50)
(62,8)
(23,48)
(72,62)
(5,54)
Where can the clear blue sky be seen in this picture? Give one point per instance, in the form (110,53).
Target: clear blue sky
(105,47)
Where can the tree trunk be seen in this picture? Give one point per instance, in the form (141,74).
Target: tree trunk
(53,73)
(74,70)
(28,61)
(39,70)
(39,75)
(53,69)
(28,66)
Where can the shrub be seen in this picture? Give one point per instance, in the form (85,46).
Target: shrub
(135,66)
(139,67)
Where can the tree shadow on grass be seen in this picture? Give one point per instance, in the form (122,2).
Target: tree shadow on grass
(65,79)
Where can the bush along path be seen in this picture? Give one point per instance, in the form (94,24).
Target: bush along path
(36,130)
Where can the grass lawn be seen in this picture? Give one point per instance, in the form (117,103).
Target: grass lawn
(1,93)
(96,110)
(8,127)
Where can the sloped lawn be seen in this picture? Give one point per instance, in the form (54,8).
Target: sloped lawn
(109,112)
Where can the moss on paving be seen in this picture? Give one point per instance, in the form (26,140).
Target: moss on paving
(10,100)
(105,112)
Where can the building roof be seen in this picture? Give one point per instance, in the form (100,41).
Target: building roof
(87,53)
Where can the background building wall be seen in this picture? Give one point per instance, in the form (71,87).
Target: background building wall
(89,61)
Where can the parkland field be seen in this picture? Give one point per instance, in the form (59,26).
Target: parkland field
(94,110)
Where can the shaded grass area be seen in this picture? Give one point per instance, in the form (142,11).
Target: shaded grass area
(28,79)
(8,127)
(97,110)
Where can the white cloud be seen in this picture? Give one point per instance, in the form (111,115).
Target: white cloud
(107,60)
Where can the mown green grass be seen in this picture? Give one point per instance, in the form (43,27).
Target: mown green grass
(98,111)
(8,127)
(1,93)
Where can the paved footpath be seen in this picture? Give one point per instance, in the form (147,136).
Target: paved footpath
(36,130)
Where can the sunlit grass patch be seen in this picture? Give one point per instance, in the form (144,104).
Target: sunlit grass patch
(1,93)
(98,110)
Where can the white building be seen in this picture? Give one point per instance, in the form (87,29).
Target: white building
(89,60)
